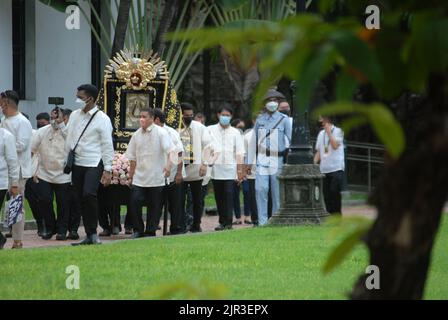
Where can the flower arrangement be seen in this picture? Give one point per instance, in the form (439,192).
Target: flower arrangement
(120,170)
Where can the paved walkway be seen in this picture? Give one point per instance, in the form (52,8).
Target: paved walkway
(31,240)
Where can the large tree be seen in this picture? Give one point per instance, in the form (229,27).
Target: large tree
(405,58)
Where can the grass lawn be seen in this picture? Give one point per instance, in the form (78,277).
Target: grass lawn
(253,263)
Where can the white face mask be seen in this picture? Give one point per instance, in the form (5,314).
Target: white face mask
(80,102)
(272,106)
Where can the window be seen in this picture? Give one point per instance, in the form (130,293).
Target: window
(18,47)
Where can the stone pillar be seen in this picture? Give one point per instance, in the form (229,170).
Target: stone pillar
(301,198)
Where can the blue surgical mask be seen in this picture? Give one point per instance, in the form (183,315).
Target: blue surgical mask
(224,120)
(272,106)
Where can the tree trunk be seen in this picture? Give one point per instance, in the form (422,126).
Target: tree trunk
(169,11)
(122,25)
(410,198)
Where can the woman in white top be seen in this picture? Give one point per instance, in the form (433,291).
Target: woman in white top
(9,169)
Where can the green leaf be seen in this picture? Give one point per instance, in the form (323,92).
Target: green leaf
(344,248)
(249,24)
(387,129)
(317,65)
(357,54)
(59,5)
(354,122)
(231,4)
(383,122)
(426,51)
(345,86)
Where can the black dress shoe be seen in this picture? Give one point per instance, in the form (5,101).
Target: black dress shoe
(92,239)
(128,231)
(73,235)
(105,233)
(9,234)
(223,227)
(40,230)
(48,235)
(137,235)
(219,228)
(195,229)
(149,233)
(61,236)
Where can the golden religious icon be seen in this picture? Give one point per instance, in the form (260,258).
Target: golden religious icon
(135,102)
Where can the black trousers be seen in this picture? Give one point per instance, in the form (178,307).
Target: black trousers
(139,197)
(171,200)
(74,219)
(253,201)
(32,195)
(62,193)
(332,187)
(224,200)
(196,195)
(86,181)
(108,213)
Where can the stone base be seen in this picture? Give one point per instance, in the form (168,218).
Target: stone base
(301,199)
(302,217)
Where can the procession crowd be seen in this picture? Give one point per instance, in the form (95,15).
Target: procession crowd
(70,158)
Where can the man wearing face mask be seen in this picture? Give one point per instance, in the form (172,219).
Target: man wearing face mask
(330,157)
(197,149)
(32,188)
(49,144)
(271,130)
(227,165)
(21,129)
(90,130)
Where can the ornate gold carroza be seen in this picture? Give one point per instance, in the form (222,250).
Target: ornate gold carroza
(134,80)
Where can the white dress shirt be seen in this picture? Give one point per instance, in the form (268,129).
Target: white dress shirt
(50,145)
(150,149)
(179,147)
(22,131)
(34,157)
(201,141)
(247,138)
(95,144)
(228,145)
(9,169)
(332,160)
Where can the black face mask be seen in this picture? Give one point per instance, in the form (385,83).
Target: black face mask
(40,125)
(188,120)
(285,112)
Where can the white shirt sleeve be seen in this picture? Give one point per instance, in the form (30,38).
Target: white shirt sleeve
(338,135)
(23,138)
(318,141)
(12,160)
(36,140)
(206,138)
(107,148)
(166,142)
(131,151)
(239,145)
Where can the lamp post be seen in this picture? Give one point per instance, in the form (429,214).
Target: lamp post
(301,199)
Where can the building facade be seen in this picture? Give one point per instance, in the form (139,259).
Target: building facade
(40,57)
